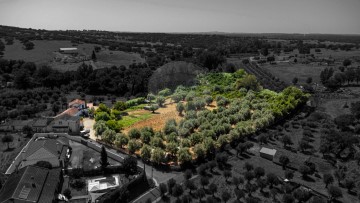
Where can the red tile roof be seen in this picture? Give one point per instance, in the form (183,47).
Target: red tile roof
(69,112)
(76,101)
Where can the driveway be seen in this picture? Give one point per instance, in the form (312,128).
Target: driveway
(89,124)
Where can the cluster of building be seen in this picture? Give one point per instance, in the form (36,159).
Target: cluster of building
(66,122)
(28,180)
(32,184)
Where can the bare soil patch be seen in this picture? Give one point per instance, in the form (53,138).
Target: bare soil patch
(158,120)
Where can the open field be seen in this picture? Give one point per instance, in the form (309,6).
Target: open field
(337,54)
(119,57)
(45,51)
(336,107)
(286,72)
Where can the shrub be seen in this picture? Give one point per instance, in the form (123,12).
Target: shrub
(165,92)
(225,196)
(163,189)
(146,134)
(304,170)
(67,193)
(145,152)
(180,108)
(77,184)
(288,198)
(157,142)
(171,183)
(204,181)
(289,174)
(184,155)
(202,169)
(248,166)
(133,146)
(102,116)
(109,136)
(158,156)
(130,165)
(134,133)
(120,106)
(335,192)
(160,100)
(190,96)
(190,106)
(172,148)
(259,172)
(177,190)
(208,100)
(272,179)
(176,97)
(153,108)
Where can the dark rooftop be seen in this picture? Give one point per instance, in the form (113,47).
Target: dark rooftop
(29,183)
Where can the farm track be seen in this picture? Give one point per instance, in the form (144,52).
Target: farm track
(266,79)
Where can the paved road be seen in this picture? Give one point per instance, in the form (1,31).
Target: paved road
(158,175)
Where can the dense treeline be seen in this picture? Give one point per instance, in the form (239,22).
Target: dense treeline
(162,47)
(113,80)
(333,79)
(25,104)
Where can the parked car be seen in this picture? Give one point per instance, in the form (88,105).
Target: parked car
(83,132)
(87,135)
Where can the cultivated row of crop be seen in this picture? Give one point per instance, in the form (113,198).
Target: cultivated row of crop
(240,107)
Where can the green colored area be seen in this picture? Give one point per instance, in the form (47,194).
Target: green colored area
(243,107)
(137,107)
(220,84)
(127,121)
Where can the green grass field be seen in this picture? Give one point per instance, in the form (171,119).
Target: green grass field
(127,121)
(140,106)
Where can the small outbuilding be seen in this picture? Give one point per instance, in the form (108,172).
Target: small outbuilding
(71,50)
(267,153)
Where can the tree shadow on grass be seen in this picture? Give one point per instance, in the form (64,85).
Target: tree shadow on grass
(290,149)
(307,152)
(271,142)
(245,156)
(308,179)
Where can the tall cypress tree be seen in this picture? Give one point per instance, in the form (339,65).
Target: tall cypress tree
(104,158)
(93,56)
